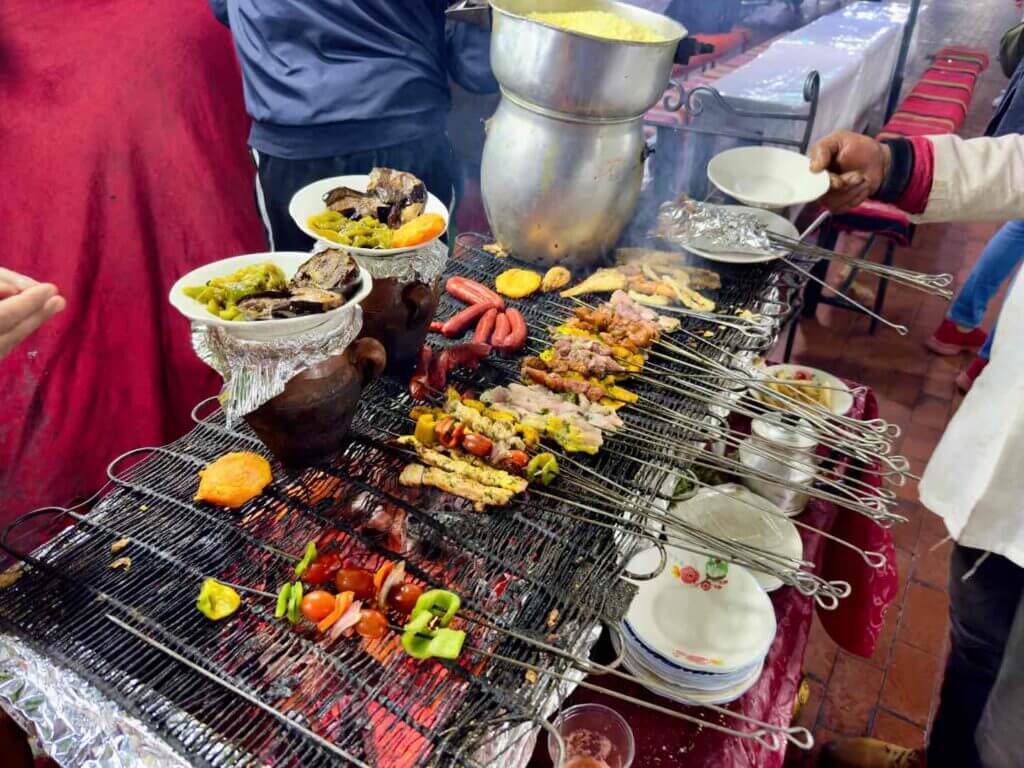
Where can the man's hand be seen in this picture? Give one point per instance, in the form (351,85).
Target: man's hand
(24,306)
(857,166)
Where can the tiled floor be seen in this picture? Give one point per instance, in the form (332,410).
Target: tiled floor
(893,694)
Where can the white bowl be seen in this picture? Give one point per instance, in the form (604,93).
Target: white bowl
(767,219)
(767,177)
(309,201)
(255,330)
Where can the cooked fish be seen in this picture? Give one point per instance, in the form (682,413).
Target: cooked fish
(405,195)
(353,204)
(329,270)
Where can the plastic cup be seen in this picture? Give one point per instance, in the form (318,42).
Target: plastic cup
(595,736)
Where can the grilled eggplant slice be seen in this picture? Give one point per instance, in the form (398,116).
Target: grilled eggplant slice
(329,270)
(404,193)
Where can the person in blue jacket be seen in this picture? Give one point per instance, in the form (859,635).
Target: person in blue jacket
(338,87)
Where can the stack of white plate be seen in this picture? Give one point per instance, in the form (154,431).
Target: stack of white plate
(699,632)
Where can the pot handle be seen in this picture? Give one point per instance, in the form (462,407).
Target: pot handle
(368,357)
(417,298)
(691,46)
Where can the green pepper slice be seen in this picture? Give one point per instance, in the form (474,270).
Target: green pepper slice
(307,558)
(415,639)
(282,600)
(217,601)
(437,602)
(446,643)
(294,603)
(543,468)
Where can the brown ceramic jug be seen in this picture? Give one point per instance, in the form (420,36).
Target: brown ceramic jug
(309,420)
(398,315)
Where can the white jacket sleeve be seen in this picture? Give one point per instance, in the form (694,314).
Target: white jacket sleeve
(976,179)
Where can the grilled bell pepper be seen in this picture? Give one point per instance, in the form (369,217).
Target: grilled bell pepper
(425,429)
(543,468)
(450,432)
(341,603)
(217,601)
(437,602)
(420,643)
(282,600)
(295,603)
(516,459)
(307,558)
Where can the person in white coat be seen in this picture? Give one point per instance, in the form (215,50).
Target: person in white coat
(975,479)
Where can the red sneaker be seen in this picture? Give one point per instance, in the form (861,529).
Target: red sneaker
(967,376)
(949,340)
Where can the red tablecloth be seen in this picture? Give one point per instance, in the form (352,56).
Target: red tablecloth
(665,742)
(123,163)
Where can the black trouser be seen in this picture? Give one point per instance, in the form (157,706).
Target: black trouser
(277,179)
(980,721)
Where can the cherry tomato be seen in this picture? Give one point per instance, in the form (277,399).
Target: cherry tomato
(403,597)
(357,580)
(449,432)
(316,605)
(322,569)
(516,459)
(478,445)
(372,624)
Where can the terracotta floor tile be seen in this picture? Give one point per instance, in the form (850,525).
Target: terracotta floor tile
(904,571)
(910,683)
(944,368)
(925,618)
(919,440)
(903,388)
(941,387)
(931,412)
(851,695)
(930,567)
(821,652)
(895,730)
(808,715)
(908,492)
(880,658)
(905,535)
(933,529)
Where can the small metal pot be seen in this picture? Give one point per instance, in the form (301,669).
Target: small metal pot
(558,190)
(792,460)
(578,74)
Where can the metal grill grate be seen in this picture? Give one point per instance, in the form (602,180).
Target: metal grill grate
(367,701)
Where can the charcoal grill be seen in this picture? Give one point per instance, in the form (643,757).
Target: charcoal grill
(252,691)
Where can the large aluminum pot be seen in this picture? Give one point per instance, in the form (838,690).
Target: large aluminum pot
(558,190)
(580,74)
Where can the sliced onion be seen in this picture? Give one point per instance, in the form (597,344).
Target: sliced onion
(396,577)
(348,619)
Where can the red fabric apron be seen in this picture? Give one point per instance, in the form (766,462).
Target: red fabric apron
(124,164)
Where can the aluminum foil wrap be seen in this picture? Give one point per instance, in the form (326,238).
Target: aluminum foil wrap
(255,372)
(422,265)
(72,721)
(709,227)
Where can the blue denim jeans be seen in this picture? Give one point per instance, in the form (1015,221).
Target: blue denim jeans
(1001,256)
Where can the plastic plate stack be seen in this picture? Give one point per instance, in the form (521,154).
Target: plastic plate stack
(699,632)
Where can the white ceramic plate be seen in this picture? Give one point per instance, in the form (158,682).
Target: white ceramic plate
(733,512)
(717,622)
(681,676)
(771,221)
(289,262)
(682,694)
(310,200)
(842,397)
(767,177)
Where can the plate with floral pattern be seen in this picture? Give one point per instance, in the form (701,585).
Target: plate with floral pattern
(700,613)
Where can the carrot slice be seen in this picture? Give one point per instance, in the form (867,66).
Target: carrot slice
(341,603)
(381,575)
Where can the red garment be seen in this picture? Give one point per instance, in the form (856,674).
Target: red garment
(915,197)
(124,165)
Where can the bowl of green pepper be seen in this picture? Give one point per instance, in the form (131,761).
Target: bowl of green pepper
(223,294)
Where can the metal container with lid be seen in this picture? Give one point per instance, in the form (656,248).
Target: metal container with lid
(564,153)
(781,446)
